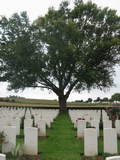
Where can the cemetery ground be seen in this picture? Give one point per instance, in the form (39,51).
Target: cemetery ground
(61,143)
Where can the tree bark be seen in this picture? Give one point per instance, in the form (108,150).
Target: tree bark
(62,104)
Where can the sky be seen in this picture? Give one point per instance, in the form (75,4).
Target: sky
(36,8)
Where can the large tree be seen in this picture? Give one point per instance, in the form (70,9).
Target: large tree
(65,50)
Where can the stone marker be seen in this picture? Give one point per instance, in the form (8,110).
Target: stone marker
(2,156)
(81,125)
(117,126)
(31,141)
(10,139)
(95,123)
(113,158)
(107,124)
(28,123)
(110,140)
(90,142)
(42,128)
(16,123)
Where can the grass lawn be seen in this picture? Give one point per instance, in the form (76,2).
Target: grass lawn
(61,142)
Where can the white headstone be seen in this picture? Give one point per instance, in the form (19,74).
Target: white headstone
(117,126)
(28,123)
(31,141)
(3,122)
(81,125)
(41,128)
(113,158)
(2,156)
(90,142)
(110,140)
(95,123)
(16,122)
(107,124)
(10,139)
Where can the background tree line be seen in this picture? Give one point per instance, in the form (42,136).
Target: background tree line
(114,98)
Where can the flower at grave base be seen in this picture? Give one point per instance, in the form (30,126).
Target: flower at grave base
(80,119)
(2,138)
(88,124)
(114,117)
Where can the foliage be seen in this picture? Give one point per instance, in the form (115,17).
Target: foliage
(104,155)
(115,97)
(18,150)
(26,157)
(89,100)
(101,125)
(80,119)
(2,138)
(114,113)
(67,49)
(88,125)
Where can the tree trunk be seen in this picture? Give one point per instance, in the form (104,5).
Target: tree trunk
(62,104)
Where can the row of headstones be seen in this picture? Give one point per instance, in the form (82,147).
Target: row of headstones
(11,128)
(81,125)
(93,118)
(42,119)
(91,141)
(87,115)
(41,125)
(48,114)
(30,140)
(79,118)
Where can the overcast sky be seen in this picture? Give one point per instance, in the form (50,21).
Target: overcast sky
(37,8)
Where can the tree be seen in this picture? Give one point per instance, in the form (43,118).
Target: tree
(98,99)
(105,99)
(116,97)
(89,100)
(65,50)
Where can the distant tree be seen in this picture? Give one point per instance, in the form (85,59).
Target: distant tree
(105,99)
(65,50)
(97,99)
(116,97)
(111,100)
(89,100)
(78,100)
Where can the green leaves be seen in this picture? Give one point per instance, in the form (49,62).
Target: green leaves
(64,50)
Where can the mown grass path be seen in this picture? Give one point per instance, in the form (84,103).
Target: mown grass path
(61,143)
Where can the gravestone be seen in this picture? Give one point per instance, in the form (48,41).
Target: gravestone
(107,124)
(113,158)
(10,139)
(90,142)
(31,141)
(95,123)
(117,126)
(16,122)
(42,128)
(28,123)
(81,125)
(2,156)
(110,140)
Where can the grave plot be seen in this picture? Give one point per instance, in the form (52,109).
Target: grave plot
(10,124)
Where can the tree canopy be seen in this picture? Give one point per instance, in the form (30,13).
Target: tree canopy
(115,97)
(67,49)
